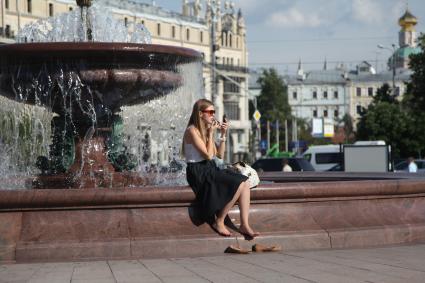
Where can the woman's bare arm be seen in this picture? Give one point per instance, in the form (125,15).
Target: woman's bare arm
(222,145)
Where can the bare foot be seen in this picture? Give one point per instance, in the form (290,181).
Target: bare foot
(248,232)
(221,229)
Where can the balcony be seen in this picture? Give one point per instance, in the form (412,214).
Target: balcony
(232,68)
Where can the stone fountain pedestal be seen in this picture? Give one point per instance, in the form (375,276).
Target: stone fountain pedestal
(154,222)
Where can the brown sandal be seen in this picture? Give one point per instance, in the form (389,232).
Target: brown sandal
(259,248)
(232,249)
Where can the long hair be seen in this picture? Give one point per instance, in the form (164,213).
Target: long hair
(200,105)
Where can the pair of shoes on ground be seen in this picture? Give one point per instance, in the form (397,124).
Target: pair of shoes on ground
(259,248)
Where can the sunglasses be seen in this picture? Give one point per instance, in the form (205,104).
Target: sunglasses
(210,112)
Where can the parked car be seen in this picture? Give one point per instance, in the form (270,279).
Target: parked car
(323,157)
(403,166)
(336,168)
(276,164)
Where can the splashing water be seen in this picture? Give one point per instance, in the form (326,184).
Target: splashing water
(72,27)
(56,94)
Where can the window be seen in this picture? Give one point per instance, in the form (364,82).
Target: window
(51,10)
(143,22)
(325,95)
(230,87)
(370,91)
(29,6)
(232,110)
(6,4)
(294,95)
(187,34)
(335,94)
(173,32)
(70,9)
(325,113)
(359,91)
(314,94)
(315,113)
(336,113)
(158,29)
(201,36)
(230,40)
(125,21)
(359,109)
(237,42)
(331,157)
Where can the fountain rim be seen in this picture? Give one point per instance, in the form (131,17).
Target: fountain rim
(51,48)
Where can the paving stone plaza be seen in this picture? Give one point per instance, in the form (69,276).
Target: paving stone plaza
(385,264)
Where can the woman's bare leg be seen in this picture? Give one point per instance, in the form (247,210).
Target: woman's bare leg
(244,203)
(219,222)
(243,195)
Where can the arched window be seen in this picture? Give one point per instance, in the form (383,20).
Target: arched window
(173,32)
(29,6)
(230,40)
(51,10)
(158,29)
(187,34)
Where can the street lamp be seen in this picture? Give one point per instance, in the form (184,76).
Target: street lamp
(393,50)
(214,8)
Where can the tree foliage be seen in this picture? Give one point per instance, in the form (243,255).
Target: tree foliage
(386,120)
(402,125)
(273,100)
(414,100)
(273,103)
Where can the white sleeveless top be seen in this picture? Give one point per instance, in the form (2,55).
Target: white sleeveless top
(191,154)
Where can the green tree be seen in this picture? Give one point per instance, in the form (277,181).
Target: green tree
(385,119)
(273,102)
(414,100)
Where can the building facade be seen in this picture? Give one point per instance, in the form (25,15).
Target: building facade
(333,93)
(191,28)
(318,94)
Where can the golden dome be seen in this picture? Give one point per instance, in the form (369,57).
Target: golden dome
(407,21)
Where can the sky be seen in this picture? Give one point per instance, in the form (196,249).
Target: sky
(280,33)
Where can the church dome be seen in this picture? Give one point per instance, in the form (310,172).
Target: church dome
(407,21)
(406,51)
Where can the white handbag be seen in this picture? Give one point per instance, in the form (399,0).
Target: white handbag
(248,171)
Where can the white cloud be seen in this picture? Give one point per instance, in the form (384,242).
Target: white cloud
(249,6)
(293,18)
(367,11)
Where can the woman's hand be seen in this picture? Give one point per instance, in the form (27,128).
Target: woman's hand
(214,126)
(223,128)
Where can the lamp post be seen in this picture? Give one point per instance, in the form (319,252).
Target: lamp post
(214,8)
(393,50)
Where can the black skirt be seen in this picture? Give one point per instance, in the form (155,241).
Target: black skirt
(214,188)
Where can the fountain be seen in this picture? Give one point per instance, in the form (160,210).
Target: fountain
(85,85)
(87,91)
